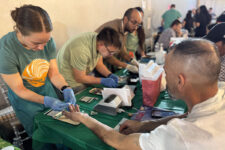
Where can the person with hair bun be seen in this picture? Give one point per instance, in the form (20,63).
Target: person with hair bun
(28,66)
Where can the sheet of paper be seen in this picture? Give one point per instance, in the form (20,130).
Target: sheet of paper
(58,115)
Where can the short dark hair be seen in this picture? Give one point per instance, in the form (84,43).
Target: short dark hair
(139,9)
(29,18)
(172,6)
(175,22)
(110,37)
(204,54)
(128,12)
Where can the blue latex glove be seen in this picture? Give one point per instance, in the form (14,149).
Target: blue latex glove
(55,104)
(69,96)
(108,82)
(114,77)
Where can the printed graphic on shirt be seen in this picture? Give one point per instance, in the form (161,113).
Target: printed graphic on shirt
(35,73)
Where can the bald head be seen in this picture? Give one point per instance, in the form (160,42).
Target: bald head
(137,15)
(131,12)
(197,59)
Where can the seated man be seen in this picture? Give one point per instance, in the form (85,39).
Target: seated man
(83,53)
(130,22)
(173,31)
(192,69)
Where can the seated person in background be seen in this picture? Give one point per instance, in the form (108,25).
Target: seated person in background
(173,31)
(217,35)
(192,69)
(219,19)
(136,41)
(132,19)
(85,52)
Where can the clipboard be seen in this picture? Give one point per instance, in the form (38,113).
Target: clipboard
(59,116)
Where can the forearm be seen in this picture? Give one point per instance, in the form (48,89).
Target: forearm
(114,61)
(54,75)
(142,52)
(29,95)
(58,81)
(15,83)
(124,54)
(104,132)
(110,136)
(103,70)
(87,79)
(151,125)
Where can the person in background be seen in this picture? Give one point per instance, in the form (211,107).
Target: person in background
(173,31)
(217,35)
(202,20)
(130,22)
(188,22)
(135,42)
(213,15)
(219,19)
(197,85)
(193,12)
(85,52)
(169,16)
(29,66)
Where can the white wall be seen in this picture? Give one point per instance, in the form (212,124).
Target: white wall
(217,5)
(69,17)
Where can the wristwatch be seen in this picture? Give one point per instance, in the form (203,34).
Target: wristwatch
(109,75)
(64,87)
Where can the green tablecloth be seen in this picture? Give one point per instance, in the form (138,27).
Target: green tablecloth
(48,130)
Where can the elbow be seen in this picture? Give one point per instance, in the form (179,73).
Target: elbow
(19,90)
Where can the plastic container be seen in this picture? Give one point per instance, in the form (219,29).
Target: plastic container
(160,56)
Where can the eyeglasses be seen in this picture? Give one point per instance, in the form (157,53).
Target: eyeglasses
(135,23)
(111,52)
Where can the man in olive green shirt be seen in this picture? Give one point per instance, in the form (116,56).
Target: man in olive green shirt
(131,21)
(85,52)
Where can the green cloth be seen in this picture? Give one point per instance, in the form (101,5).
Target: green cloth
(80,137)
(4,144)
(33,67)
(132,42)
(79,53)
(169,16)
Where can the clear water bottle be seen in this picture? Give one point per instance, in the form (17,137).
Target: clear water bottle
(156,47)
(160,55)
